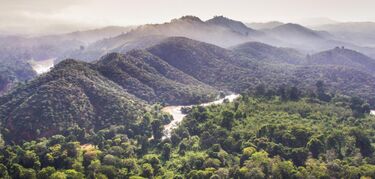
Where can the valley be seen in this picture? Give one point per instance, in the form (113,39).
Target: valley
(197,98)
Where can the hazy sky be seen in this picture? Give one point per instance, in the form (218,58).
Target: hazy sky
(65,15)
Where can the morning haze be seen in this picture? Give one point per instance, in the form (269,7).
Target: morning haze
(44,16)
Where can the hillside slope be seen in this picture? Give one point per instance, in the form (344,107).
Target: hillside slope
(270,54)
(344,57)
(225,69)
(73,93)
(153,80)
(210,64)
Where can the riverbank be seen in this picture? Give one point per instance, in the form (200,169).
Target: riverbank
(178,116)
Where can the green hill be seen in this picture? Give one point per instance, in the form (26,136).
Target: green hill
(73,93)
(152,79)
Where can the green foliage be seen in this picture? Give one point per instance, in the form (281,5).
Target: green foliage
(248,138)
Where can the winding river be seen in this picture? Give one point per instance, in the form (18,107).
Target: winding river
(178,116)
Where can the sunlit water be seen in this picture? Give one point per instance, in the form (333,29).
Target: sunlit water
(42,66)
(178,116)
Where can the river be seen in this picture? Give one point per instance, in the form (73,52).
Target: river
(178,116)
(42,66)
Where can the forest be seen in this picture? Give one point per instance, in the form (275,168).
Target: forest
(100,91)
(267,133)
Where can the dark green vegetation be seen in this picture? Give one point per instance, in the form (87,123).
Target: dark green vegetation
(287,135)
(153,79)
(72,94)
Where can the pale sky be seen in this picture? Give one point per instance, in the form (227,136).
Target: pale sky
(64,15)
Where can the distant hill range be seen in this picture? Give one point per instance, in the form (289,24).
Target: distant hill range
(264,25)
(118,73)
(359,33)
(117,88)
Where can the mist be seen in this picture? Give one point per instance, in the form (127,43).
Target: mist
(46,17)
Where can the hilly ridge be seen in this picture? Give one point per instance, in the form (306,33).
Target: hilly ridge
(208,63)
(268,53)
(118,88)
(152,79)
(220,31)
(343,57)
(235,26)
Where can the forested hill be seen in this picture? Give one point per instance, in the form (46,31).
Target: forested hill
(154,80)
(340,56)
(73,93)
(178,70)
(343,70)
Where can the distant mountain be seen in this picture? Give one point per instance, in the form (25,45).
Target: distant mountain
(121,44)
(53,46)
(308,40)
(344,71)
(317,21)
(219,31)
(294,31)
(344,57)
(339,56)
(17,51)
(37,48)
(264,25)
(270,54)
(360,33)
(89,36)
(235,26)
